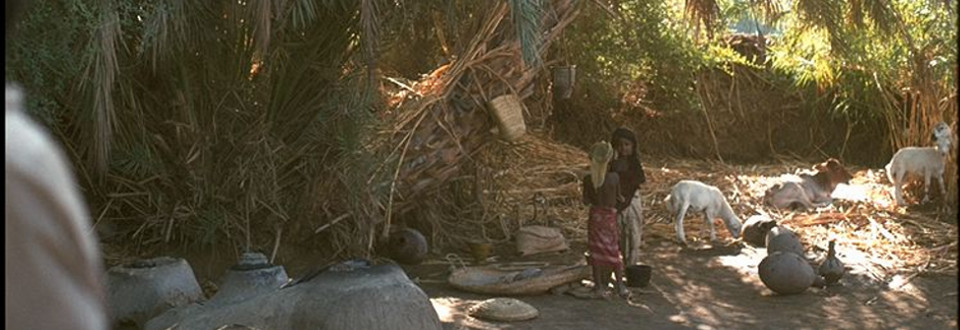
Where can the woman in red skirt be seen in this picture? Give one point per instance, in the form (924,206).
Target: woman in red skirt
(600,192)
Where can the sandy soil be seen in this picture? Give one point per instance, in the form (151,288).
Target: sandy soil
(717,287)
(700,287)
(706,287)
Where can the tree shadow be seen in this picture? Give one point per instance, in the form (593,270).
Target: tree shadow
(715,294)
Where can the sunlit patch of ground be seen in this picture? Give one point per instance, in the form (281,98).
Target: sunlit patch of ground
(456,311)
(875,237)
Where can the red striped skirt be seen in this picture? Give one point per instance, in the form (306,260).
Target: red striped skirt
(603,238)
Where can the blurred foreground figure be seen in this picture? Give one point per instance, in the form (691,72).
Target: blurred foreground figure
(52,264)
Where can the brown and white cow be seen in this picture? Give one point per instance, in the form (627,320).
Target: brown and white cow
(809,189)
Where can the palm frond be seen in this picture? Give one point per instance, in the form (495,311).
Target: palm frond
(827,15)
(703,13)
(855,14)
(526,16)
(102,69)
(164,27)
(263,14)
(771,9)
(882,15)
(302,12)
(370,22)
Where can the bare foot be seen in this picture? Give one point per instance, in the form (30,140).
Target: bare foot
(623,292)
(599,294)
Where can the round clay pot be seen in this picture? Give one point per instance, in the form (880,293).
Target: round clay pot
(252,276)
(781,239)
(407,246)
(786,273)
(140,290)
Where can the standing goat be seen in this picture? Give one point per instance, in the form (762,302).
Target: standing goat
(697,196)
(925,161)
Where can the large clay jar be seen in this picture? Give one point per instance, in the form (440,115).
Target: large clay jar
(786,273)
(251,276)
(407,246)
(140,290)
(340,297)
(755,230)
(781,239)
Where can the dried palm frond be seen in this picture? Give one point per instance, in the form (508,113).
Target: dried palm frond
(262,13)
(101,73)
(165,24)
(702,13)
(370,22)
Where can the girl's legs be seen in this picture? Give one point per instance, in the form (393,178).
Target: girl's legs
(620,287)
(601,277)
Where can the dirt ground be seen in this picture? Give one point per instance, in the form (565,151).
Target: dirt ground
(714,287)
(703,286)
(901,266)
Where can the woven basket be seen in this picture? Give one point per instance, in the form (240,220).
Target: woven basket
(509,113)
(563,79)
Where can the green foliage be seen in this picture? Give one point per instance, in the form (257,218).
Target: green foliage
(43,56)
(643,44)
(872,60)
(223,113)
(220,113)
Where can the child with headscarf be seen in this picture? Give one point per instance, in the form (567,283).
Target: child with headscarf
(600,191)
(627,165)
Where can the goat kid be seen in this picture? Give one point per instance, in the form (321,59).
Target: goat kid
(696,196)
(923,161)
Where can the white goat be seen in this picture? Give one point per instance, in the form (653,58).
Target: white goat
(697,196)
(925,161)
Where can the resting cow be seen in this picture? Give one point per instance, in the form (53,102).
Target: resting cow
(809,189)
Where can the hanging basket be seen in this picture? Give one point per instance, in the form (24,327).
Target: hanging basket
(509,113)
(563,79)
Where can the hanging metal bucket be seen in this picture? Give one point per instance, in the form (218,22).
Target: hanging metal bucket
(564,78)
(509,113)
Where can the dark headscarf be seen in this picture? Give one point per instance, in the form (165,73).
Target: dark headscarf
(629,168)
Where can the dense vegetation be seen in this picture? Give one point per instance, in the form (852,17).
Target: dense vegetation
(231,122)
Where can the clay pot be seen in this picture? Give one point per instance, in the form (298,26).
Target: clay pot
(251,276)
(407,246)
(138,291)
(786,273)
(780,238)
(480,251)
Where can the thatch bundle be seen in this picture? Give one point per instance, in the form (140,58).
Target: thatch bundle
(442,122)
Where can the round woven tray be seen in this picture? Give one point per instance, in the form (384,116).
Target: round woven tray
(496,281)
(504,309)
